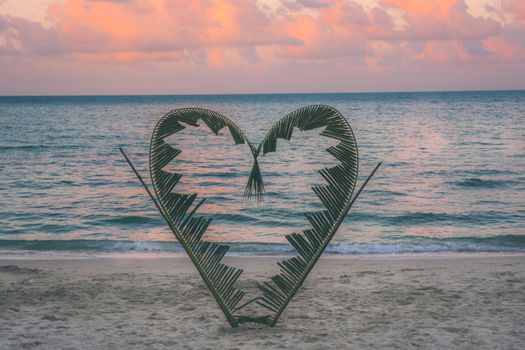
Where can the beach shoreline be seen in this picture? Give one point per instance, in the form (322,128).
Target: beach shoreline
(158,301)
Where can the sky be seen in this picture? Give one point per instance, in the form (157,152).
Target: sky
(79,47)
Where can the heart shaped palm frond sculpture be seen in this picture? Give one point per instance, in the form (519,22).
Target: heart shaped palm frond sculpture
(336,197)
(179,210)
(187,227)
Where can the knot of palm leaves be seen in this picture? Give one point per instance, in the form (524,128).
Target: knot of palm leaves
(179,210)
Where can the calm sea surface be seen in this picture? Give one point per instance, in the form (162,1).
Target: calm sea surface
(453,174)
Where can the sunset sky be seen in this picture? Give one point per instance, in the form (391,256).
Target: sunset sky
(73,47)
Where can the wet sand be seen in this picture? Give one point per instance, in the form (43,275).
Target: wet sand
(446,301)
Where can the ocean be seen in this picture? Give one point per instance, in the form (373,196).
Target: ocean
(452,179)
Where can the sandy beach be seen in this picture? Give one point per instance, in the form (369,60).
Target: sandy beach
(446,301)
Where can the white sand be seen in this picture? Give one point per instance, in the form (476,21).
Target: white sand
(442,302)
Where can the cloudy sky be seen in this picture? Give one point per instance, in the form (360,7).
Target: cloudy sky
(242,46)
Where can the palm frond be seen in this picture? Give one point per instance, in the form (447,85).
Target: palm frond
(180,210)
(255,181)
(336,196)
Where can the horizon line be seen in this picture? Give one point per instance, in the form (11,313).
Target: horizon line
(267,93)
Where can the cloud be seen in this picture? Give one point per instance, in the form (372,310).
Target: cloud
(441,20)
(174,29)
(516,8)
(343,29)
(242,36)
(446,32)
(437,32)
(86,28)
(314,3)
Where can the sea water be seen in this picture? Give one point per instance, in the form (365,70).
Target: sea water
(452,179)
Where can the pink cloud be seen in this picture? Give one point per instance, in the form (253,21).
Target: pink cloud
(344,28)
(162,25)
(441,20)
(112,28)
(171,29)
(444,32)
(239,36)
(516,8)
(505,50)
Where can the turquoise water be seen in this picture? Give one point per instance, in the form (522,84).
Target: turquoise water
(452,177)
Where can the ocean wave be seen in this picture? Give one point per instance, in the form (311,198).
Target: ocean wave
(437,218)
(39,147)
(25,147)
(391,245)
(128,219)
(477,183)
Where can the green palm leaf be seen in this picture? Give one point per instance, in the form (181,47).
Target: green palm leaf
(179,209)
(336,197)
